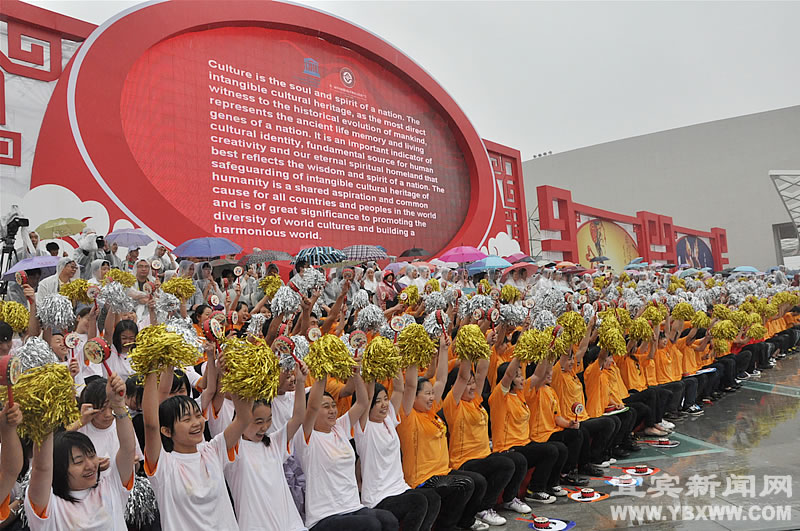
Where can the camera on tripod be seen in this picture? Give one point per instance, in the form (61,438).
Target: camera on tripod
(10,224)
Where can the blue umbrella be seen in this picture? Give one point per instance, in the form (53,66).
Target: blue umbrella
(636,260)
(46,263)
(687,272)
(128,238)
(745,269)
(319,256)
(489,263)
(206,248)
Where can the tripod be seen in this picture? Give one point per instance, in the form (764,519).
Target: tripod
(7,258)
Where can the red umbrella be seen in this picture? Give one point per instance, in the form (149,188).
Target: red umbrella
(530,268)
(516,257)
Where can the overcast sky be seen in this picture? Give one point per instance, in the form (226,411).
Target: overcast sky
(555,76)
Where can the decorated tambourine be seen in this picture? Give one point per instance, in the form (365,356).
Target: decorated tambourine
(149,288)
(528,303)
(494,294)
(219,317)
(156,264)
(213,300)
(213,330)
(233,318)
(569,297)
(397,323)
(494,316)
(582,299)
(348,274)
(440,318)
(314,333)
(10,371)
(97,351)
(577,409)
(478,314)
(358,340)
(481,289)
(21,277)
(283,346)
(71,341)
(404,296)
(557,330)
(238,271)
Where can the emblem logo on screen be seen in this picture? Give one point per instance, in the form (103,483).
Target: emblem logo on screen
(310,67)
(348,77)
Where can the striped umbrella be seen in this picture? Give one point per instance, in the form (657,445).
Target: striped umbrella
(320,256)
(259,257)
(362,253)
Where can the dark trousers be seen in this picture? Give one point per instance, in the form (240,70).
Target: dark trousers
(547,460)
(597,436)
(497,470)
(455,491)
(648,398)
(364,519)
(642,415)
(573,440)
(689,392)
(677,390)
(415,509)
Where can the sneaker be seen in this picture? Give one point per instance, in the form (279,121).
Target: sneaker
(695,410)
(590,470)
(479,526)
(492,518)
(517,506)
(667,424)
(557,491)
(603,464)
(611,460)
(539,497)
(574,480)
(743,375)
(756,373)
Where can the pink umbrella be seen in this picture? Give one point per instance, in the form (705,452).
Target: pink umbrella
(530,268)
(463,254)
(515,257)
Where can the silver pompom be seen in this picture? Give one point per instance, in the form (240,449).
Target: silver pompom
(313,279)
(55,311)
(435,301)
(512,315)
(166,303)
(361,300)
(300,346)
(115,296)
(451,294)
(256,324)
(183,327)
(588,312)
(142,508)
(370,318)
(432,326)
(285,302)
(544,319)
(35,353)
(287,361)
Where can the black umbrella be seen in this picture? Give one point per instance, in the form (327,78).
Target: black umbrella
(416,251)
(599,259)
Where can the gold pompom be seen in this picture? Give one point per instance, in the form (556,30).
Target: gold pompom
(329,355)
(748,307)
(534,346)
(410,296)
(76,291)
(415,346)
(270,285)
(381,360)
(655,314)
(509,294)
(574,327)
(123,277)
(471,344)
(181,287)
(683,311)
(721,312)
(16,315)
(740,319)
(753,318)
(700,320)
(251,370)
(483,287)
(757,331)
(611,339)
(434,284)
(640,330)
(157,348)
(720,346)
(726,330)
(46,396)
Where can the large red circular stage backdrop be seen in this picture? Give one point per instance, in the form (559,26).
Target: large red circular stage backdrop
(271,124)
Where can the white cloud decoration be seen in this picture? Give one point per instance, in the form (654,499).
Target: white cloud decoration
(501,245)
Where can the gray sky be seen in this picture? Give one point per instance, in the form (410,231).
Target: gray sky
(555,76)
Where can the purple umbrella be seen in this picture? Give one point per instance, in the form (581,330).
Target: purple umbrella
(395,267)
(46,263)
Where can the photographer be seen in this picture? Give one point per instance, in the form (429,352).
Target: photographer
(90,248)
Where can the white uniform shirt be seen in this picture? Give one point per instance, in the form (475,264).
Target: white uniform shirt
(378,447)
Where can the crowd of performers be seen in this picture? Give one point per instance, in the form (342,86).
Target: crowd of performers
(367,400)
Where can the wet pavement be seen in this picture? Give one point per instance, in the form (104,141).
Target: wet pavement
(749,441)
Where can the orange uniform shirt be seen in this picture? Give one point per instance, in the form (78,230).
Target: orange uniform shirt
(543,404)
(649,368)
(423,444)
(663,365)
(676,367)
(568,389)
(510,419)
(689,356)
(617,386)
(632,373)
(469,429)
(498,359)
(598,391)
